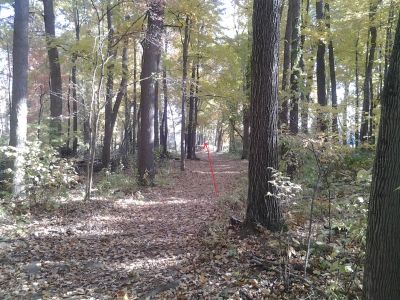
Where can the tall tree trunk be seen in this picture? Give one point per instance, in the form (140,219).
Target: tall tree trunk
(196,108)
(332,72)
(152,46)
(127,136)
(86,116)
(19,108)
(232,142)
(186,39)
(173,127)
(6,120)
(138,128)
(40,113)
(67,146)
(94,109)
(164,122)
(246,132)
(371,125)
(195,123)
(56,109)
(220,137)
(284,113)
(381,73)
(246,105)
(389,35)
(191,113)
(357,106)
(328,87)
(305,94)
(308,88)
(263,206)
(247,91)
(382,273)
(321,76)
(128,105)
(156,109)
(134,102)
(122,90)
(111,53)
(295,65)
(74,83)
(367,102)
(111,109)
(345,104)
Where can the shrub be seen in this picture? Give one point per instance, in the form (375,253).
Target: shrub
(46,174)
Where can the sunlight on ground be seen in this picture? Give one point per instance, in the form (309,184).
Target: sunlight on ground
(148,263)
(222,172)
(131,201)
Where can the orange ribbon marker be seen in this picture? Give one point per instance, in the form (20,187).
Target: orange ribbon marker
(210,162)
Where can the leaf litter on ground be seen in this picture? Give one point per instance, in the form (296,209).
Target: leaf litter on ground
(166,242)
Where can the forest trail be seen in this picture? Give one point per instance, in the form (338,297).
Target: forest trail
(142,244)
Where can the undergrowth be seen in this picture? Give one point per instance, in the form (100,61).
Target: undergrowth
(336,178)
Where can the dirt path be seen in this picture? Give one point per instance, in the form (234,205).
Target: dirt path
(143,244)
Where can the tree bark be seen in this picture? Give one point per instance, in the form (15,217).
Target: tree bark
(196,109)
(127,136)
(127,133)
(284,113)
(232,142)
(321,76)
(246,132)
(246,105)
(138,128)
(6,119)
(389,35)
(152,46)
(263,206)
(345,105)
(373,34)
(173,127)
(74,83)
(191,113)
(371,125)
(382,273)
(108,135)
(40,113)
(93,111)
(156,106)
(305,94)
(164,122)
(332,72)
(134,102)
(108,107)
(296,68)
(220,137)
(185,51)
(67,148)
(357,106)
(19,108)
(56,109)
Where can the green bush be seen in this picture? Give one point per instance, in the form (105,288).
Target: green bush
(46,174)
(359,158)
(114,182)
